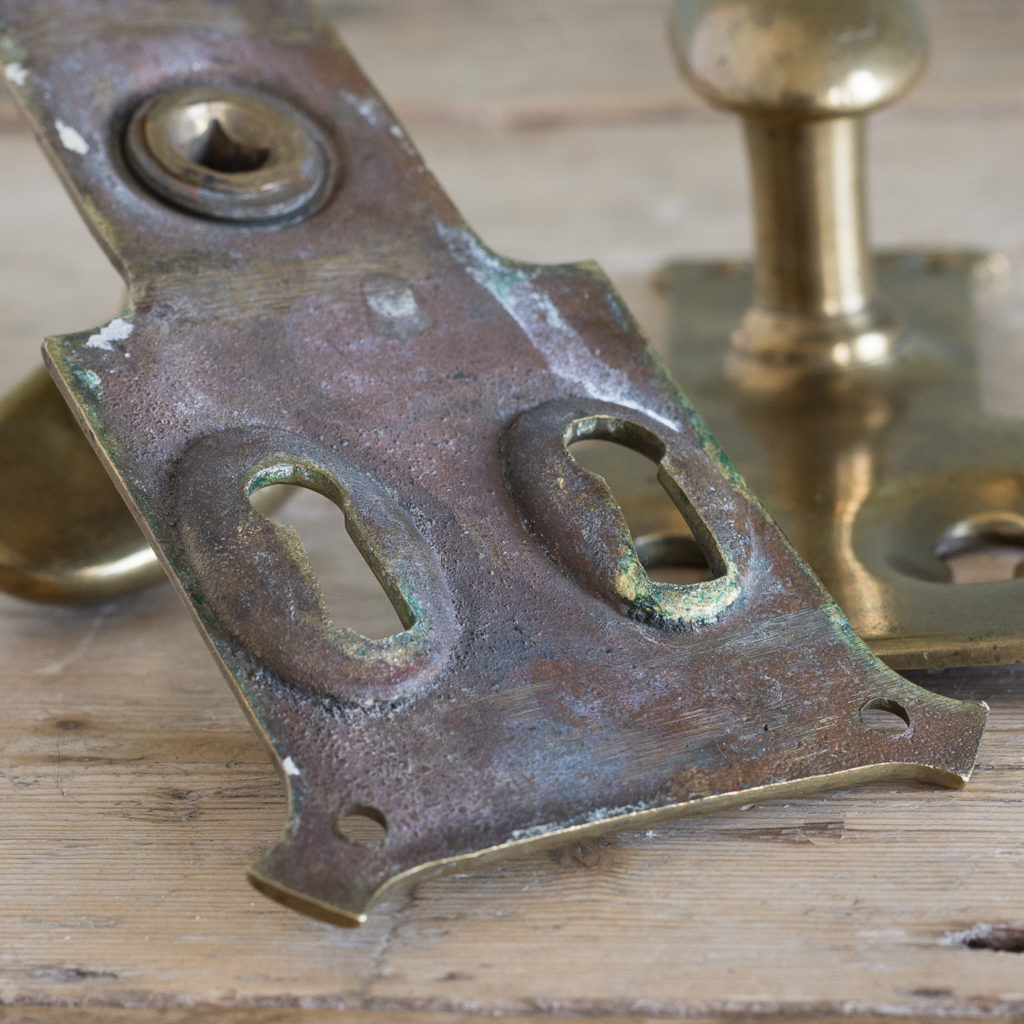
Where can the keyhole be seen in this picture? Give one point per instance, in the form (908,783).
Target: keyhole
(664,544)
(353,596)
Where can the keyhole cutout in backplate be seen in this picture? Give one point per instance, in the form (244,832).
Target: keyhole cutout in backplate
(664,543)
(353,596)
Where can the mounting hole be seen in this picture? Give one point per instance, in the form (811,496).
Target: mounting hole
(362,824)
(886,717)
(986,548)
(229,154)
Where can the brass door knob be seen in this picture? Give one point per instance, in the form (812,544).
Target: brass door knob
(802,73)
(66,534)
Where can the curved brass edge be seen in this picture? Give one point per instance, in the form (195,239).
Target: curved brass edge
(90,585)
(906,653)
(66,536)
(303,904)
(881,772)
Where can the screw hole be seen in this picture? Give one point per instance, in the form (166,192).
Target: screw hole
(228,154)
(217,150)
(886,717)
(362,824)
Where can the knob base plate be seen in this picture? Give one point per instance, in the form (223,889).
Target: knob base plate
(890,479)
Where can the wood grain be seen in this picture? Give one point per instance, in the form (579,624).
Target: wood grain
(133,794)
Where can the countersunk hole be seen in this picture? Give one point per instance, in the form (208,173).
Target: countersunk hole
(885,716)
(985,548)
(219,151)
(998,938)
(362,824)
(664,544)
(228,154)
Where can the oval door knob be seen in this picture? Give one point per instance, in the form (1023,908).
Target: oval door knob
(802,73)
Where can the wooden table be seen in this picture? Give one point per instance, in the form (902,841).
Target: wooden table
(133,792)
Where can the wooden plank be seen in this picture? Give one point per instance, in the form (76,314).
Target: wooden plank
(133,793)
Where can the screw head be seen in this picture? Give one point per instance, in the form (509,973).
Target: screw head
(228,154)
(800,58)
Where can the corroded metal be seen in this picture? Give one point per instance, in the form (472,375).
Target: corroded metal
(377,352)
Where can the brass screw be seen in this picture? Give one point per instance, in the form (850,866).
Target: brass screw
(228,154)
(802,73)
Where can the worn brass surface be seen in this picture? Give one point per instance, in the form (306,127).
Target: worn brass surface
(65,533)
(802,73)
(877,475)
(229,154)
(859,428)
(377,352)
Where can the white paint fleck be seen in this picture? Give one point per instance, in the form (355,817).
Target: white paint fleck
(397,302)
(16,74)
(116,330)
(71,139)
(369,108)
(290,767)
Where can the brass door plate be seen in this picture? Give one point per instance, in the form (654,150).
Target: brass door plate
(878,472)
(367,345)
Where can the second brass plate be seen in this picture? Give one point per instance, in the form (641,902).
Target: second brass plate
(877,475)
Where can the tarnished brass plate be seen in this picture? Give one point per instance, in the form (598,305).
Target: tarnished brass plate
(374,350)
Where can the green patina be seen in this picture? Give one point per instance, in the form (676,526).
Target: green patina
(670,604)
(90,380)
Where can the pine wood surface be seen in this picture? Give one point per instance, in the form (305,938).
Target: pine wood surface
(133,793)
